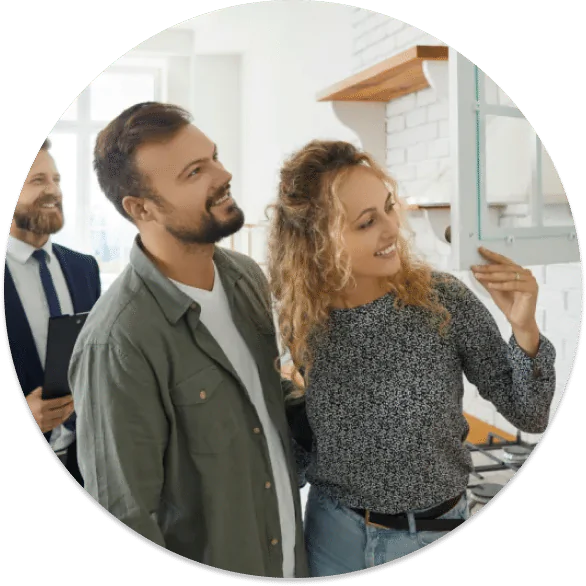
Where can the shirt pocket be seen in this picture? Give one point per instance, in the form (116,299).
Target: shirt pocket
(205,412)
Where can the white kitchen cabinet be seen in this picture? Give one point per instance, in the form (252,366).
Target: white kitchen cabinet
(507,194)
(500,188)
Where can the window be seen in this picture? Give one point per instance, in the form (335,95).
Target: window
(92,224)
(64,150)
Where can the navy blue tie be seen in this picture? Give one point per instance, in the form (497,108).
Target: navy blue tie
(52,300)
(48,286)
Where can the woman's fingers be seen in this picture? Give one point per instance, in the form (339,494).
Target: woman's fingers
(494,256)
(499,268)
(498,277)
(523,286)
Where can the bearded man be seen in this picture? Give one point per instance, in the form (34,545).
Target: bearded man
(43,280)
(183,434)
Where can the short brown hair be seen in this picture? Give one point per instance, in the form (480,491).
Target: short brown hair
(46,145)
(116,144)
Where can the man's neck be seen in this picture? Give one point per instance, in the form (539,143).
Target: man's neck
(190,264)
(36,240)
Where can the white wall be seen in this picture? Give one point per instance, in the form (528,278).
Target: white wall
(258,68)
(289,51)
(250,75)
(418,155)
(174,48)
(217,108)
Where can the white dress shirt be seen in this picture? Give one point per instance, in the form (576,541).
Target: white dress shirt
(27,280)
(217,318)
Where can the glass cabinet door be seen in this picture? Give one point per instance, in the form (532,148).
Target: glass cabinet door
(508,195)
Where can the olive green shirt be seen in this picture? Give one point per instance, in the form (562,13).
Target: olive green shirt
(168,439)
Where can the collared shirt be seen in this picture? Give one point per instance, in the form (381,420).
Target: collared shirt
(216,316)
(27,280)
(168,439)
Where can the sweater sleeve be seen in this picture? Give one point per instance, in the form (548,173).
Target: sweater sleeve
(520,387)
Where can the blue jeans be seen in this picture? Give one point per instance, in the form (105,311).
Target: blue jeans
(338,540)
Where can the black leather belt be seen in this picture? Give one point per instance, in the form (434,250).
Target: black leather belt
(424,521)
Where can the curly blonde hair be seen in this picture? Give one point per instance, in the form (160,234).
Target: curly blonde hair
(308,264)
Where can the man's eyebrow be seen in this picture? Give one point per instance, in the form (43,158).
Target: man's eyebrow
(197,161)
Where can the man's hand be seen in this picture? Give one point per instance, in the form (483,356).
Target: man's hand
(51,413)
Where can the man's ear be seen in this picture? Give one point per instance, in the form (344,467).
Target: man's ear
(137,208)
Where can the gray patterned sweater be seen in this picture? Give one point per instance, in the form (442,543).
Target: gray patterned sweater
(384,399)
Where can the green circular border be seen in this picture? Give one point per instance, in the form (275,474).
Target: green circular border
(534,539)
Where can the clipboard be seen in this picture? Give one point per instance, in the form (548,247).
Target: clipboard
(63,332)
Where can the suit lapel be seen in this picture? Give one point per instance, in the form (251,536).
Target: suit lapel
(18,328)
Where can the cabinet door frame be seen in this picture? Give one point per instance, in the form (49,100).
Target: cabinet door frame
(470,221)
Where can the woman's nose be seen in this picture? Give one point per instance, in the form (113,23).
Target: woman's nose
(391,228)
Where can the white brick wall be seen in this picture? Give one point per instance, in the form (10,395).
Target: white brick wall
(417,123)
(418,152)
(558,314)
(377,37)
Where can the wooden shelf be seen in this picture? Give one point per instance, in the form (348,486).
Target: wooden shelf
(427,206)
(415,207)
(548,200)
(395,77)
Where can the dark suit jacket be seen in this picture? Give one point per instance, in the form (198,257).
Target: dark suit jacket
(83,280)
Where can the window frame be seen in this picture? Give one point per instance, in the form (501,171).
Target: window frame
(84,128)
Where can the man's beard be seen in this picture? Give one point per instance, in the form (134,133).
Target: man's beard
(37,220)
(210,229)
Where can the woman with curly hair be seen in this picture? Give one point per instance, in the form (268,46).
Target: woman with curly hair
(380,342)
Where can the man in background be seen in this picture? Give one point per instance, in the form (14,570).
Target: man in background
(43,280)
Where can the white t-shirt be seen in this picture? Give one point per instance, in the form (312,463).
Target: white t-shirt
(217,318)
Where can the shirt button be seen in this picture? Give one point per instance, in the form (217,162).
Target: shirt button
(274,541)
(193,306)
(268,485)
(202,395)
(256,430)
